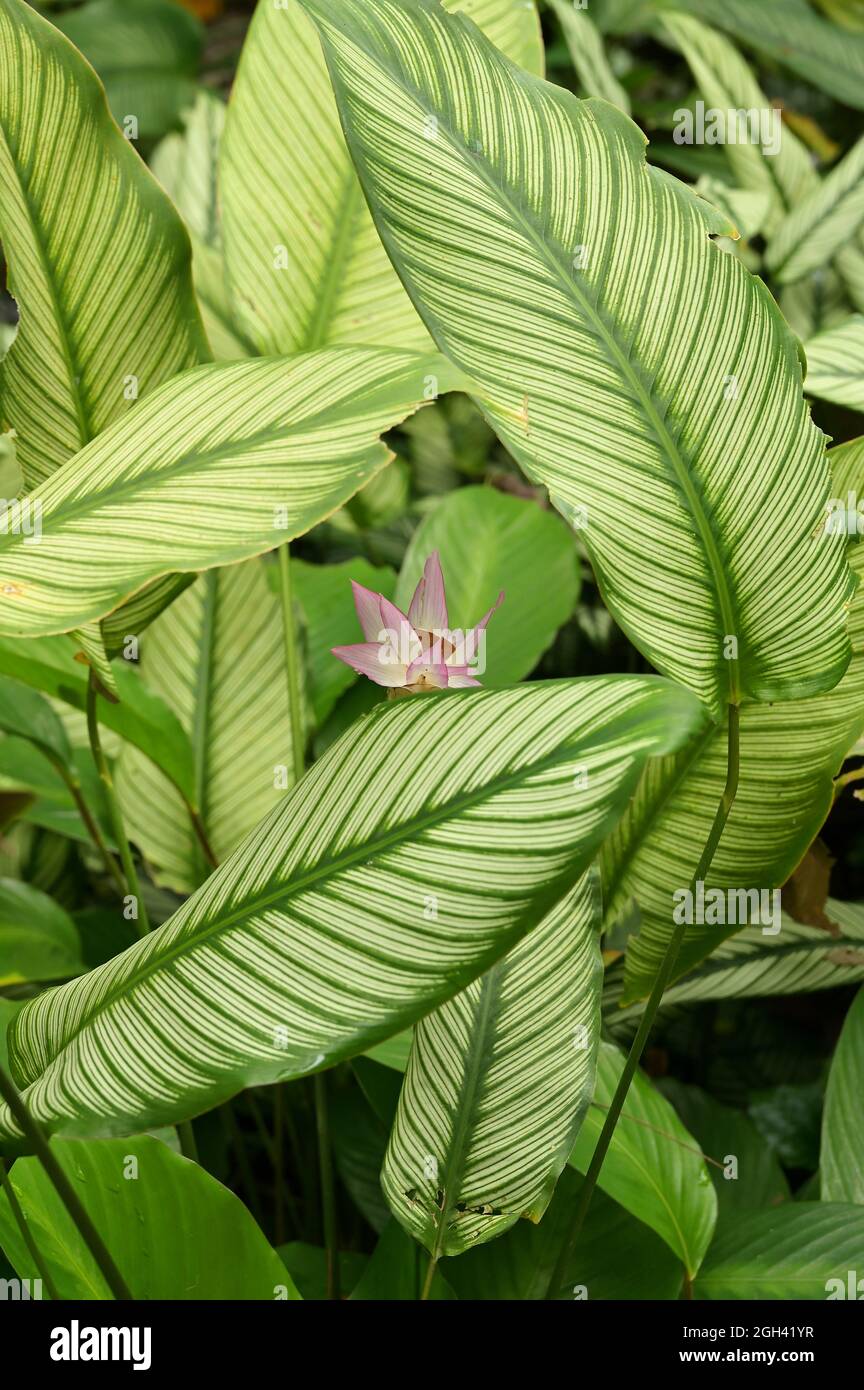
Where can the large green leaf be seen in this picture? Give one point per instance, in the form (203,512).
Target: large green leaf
(650,392)
(216,656)
(147,54)
(654,1167)
(840,1164)
(98,260)
(790,1253)
(304,261)
(173,1231)
(38,940)
(233,459)
(835,364)
(310,944)
(498,1083)
(790,754)
(792,33)
(489,544)
(519,1265)
(811,234)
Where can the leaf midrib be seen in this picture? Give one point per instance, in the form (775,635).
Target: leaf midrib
(616,355)
(327,867)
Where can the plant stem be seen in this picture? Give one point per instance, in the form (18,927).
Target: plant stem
(854,776)
(27,1235)
(201,834)
(77,794)
(132,885)
(559,1273)
(292,663)
(328,1191)
(431,1270)
(32,1131)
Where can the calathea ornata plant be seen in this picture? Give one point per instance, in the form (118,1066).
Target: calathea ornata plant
(405,304)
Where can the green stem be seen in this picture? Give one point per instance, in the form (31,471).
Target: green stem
(328,1190)
(133,887)
(292,663)
(431,1269)
(32,1132)
(27,1235)
(667,966)
(75,791)
(854,776)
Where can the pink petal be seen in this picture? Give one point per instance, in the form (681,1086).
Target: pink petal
(459,679)
(368,605)
(429,605)
(422,671)
(367,659)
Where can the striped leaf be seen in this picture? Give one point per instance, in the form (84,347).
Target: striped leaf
(792,33)
(751,965)
(726,83)
(216,656)
(310,944)
(811,234)
(671,363)
(588,53)
(841,1173)
(497,1086)
(790,754)
(798,1250)
(97,259)
(654,1167)
(304,261)
(230,459)
(186,165)
(835,364)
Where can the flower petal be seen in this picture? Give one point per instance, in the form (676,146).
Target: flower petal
(367,659)
(368,605)
(429,605)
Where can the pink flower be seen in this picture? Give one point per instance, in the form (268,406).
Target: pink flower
(417,651)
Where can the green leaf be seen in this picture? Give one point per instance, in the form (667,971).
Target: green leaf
(811,234)
(835,364)
(38,940)
(654,1167)
(792,33)
(750,965)
(216,656)
(756,1180)
(800,1250)
(140,716)
(307,1265)
(234,458)
(519,1265)
(186,165)
(173,1231)
(8,1009)
(790,754)
(842,1120)
(497,1086)
(310,945)
(116,318)
(582,354)
(147,54)
(304,261)
(726,83)
(28,714)
(588,53)
(397,1270)
(489,544)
